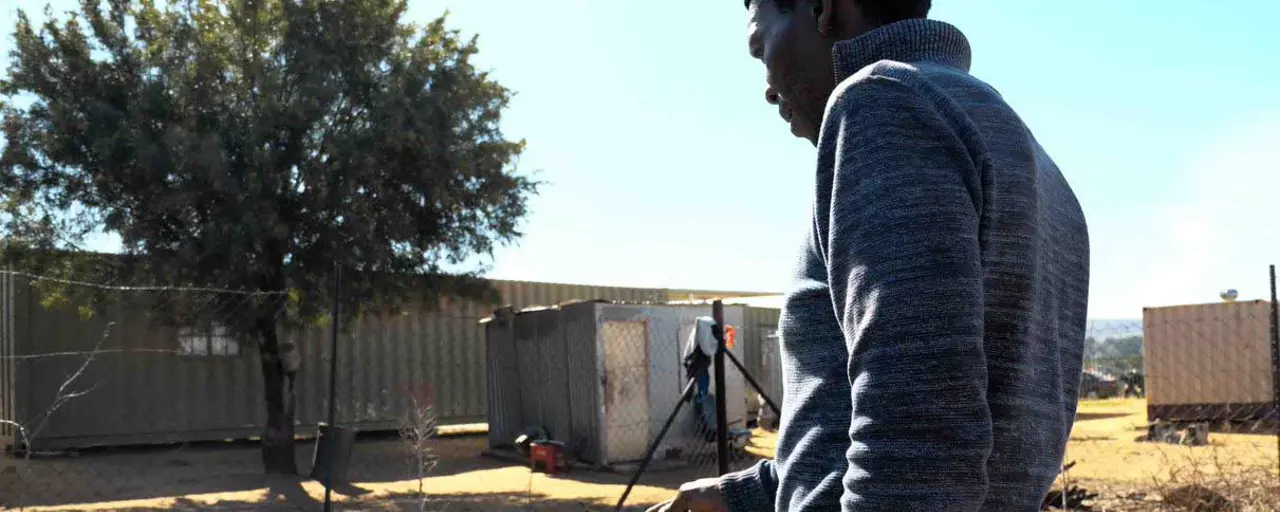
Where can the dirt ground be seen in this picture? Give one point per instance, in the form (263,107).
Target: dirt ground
(225,477)
(1131,475)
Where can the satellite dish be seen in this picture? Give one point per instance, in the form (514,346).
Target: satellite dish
(1229,295)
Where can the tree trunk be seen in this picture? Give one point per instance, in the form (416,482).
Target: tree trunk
(278,371)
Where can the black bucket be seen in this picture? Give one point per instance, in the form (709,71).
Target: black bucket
(333,450)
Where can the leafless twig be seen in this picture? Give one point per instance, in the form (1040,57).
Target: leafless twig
(50,355)
(64,395)
(418,431)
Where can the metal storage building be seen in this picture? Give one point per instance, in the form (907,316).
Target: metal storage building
(144,391)
(1209,362)
(603,375)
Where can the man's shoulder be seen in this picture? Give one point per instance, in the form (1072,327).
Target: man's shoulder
(890,83)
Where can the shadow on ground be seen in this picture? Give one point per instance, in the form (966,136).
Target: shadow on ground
(1087,416)
(228,476)
(126,474)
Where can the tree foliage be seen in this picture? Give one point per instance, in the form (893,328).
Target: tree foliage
(255,145)
(1116,355)
(252,145)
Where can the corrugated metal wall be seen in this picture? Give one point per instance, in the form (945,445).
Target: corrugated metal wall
(503,380)
(143,392)
(1208,354)
(565,341)
(583,369)
(762,353)
(544,371)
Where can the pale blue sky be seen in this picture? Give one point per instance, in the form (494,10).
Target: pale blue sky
(667,168)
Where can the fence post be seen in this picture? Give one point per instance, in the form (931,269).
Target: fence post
(722,421)
(333,383)
(1275,360)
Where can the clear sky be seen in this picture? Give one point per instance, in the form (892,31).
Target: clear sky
(666,168)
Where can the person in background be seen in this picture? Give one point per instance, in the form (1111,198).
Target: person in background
(932,341)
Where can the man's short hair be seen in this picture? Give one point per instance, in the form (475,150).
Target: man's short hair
(880,11)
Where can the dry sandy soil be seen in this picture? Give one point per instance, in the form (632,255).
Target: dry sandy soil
(1130,475)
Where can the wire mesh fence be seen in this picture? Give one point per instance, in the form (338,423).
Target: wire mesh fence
(1178,412)
(152,398)
(92,368)
(688,449)
(618,392)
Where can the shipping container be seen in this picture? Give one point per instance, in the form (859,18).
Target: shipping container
(1209,362)
(602,377)
(142,385)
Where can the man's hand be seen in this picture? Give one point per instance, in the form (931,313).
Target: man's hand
(697,496)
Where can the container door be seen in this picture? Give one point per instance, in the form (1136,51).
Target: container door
(626,390)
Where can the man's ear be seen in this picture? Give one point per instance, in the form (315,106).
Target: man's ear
(825,13)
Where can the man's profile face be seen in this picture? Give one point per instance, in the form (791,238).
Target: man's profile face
(797,61)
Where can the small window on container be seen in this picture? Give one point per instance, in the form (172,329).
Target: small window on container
(213,340)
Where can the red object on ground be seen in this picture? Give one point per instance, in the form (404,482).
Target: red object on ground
(547,454)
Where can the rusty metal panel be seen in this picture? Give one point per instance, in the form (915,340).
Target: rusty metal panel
(1208,354)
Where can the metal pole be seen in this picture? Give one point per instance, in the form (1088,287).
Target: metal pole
(722,421)
(653,446)
(754,384)
(1275,359)
(333,386)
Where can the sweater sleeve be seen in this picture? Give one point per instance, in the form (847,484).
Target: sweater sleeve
(751,490)
(905,273)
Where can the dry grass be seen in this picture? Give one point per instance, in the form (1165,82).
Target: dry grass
(1235,472)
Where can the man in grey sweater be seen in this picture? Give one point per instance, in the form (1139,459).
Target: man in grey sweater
(931,344)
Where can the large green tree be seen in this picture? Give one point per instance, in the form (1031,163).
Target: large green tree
(254,144)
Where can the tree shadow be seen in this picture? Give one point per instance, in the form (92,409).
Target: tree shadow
(140,473)
(289,489)
(183,476)
(350,490)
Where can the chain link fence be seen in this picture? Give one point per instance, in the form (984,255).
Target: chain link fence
(152,398)
(1178,412)
(688,449)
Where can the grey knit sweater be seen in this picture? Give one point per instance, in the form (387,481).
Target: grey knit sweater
(931,345)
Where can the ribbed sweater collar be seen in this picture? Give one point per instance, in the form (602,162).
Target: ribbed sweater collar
(916,40)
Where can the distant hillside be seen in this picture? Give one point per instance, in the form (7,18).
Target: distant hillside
(1113,347)
(1105,329)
